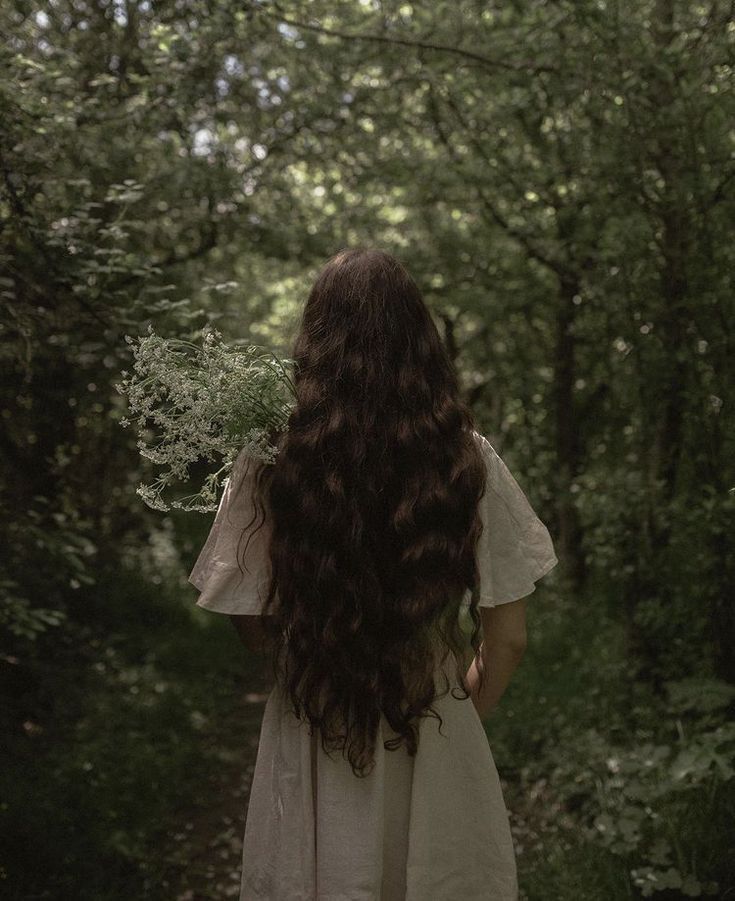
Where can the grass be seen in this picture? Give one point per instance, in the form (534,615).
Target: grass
(574,697)
(127,731)
(121,731)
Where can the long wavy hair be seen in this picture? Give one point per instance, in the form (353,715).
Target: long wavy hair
(373,510)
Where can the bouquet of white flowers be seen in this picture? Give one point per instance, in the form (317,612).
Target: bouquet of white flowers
(208,402)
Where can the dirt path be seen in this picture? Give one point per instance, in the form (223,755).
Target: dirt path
(203,858)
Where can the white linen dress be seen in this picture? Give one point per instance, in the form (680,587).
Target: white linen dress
(429,828)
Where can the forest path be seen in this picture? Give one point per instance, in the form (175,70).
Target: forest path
(203,858)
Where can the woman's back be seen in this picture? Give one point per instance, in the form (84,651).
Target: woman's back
(432,826)
(386,523)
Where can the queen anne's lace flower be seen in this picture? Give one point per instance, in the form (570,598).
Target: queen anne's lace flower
(194,403)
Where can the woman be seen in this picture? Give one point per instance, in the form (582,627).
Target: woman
(386,525)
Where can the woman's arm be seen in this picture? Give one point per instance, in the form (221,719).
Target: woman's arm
(502,649)
(251,632)
(500,664)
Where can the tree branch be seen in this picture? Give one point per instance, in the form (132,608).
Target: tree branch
(417,44)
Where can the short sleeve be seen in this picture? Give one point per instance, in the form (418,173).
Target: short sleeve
(515,549)
(225,585)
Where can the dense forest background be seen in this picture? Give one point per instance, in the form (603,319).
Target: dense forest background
(559,177)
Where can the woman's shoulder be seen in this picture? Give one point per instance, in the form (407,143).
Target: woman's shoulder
(484,444)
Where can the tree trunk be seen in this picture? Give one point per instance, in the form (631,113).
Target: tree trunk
(567,441)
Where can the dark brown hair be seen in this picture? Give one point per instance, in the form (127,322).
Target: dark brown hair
(373,510)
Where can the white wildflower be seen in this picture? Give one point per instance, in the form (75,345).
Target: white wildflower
(192,403)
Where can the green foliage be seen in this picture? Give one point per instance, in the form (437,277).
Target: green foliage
(121,746)
(19,617)
(641,802)
(635,784)
(47,554)
(558,177)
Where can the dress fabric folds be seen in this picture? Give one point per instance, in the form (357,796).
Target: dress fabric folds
(433,827)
